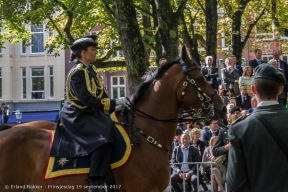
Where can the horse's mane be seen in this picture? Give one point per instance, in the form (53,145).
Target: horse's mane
(150,77)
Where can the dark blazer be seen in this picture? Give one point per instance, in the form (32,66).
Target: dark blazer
(247,102)
(284,67)
(254,157)
(240,70)
(201,146)
(212,77)
(229,79)
(254,63)
(193,156)
(207,136)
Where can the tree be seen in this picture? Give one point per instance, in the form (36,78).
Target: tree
(131,41)
(242,23)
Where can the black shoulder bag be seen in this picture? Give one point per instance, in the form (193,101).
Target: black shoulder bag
(274,135)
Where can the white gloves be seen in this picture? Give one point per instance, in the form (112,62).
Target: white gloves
(121,101)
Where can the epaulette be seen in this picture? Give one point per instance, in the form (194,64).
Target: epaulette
(79,66)
(240,119)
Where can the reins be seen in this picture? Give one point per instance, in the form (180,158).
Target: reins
(207,104)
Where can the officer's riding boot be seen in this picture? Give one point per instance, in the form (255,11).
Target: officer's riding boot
(95,186)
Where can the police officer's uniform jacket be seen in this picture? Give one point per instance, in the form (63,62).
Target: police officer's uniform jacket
(84,121)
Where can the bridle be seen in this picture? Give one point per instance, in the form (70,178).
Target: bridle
(207,104)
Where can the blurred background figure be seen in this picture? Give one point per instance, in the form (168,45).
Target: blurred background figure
(4,112)
(238,67)
(224,94)
(253,104)
(247,79)
(211,130)
(232,100)
(243,100)
(281,64)
(217,170)
(210,72)
(255,62)
(235,113)
(195,141)
(282,96)
(230,77)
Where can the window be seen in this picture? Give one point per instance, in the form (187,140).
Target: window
(118,87)
(37,83)
(37,39)
(0,83)
(93,32)
(267,58)
(51,82)
(23,83)
(23,47)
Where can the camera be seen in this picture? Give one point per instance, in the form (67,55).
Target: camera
(225,93)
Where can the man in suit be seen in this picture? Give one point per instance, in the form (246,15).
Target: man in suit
(282,65)
(210,72)
(255,62)
(238,67)
(243,100)
(212,130)
(256,162)
(230,77)
(181,154)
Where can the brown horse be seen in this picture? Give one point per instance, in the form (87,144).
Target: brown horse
(37,124)
(178,84)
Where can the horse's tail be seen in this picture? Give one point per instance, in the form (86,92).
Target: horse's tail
(4,126)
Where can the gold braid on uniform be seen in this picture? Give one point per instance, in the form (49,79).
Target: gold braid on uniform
(91,86)
(106,103)
(101,87)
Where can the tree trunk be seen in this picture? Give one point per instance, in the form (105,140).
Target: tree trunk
(168,27)
(147,25)
(131,40)
(237,44)
(211,17)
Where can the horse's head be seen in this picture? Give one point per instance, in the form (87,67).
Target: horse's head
(208,101)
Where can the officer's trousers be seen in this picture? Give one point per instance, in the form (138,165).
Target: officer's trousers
(100,161)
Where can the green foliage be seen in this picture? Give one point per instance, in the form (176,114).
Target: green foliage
(71,19)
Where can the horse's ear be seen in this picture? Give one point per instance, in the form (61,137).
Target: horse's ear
(185,56)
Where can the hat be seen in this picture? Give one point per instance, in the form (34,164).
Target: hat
(178,131)
(265,71)
(82,43)
(236,108)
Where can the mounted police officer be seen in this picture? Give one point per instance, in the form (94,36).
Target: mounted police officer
(84,126)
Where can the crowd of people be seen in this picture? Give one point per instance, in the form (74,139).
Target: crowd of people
(212,140)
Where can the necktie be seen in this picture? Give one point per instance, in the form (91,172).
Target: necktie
(209,71)
(214,133)
(259,62)
(243,102)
